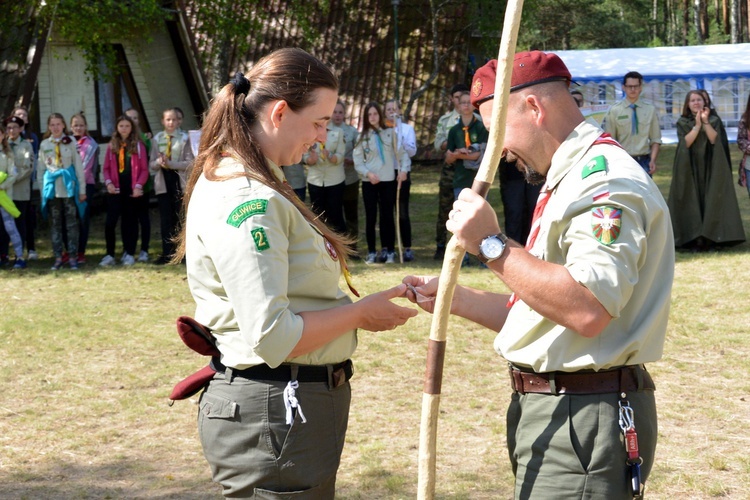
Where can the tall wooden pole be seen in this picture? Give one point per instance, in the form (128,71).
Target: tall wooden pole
(454,254)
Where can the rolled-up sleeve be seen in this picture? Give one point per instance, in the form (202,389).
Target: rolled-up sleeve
(607,267)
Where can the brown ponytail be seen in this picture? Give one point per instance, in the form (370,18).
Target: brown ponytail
(291,75)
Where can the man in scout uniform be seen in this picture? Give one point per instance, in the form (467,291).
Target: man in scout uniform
(591,292)
(635,124)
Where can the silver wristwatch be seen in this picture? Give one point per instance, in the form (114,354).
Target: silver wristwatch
(492,247)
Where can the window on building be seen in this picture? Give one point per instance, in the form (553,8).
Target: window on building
(115,96)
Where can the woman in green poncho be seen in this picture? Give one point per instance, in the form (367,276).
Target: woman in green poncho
(702,201)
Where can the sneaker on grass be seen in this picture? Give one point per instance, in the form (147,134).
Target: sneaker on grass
(107,261)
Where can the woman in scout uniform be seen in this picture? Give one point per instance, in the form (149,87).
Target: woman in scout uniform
(60,172)
(125,175)
(377,163)
(325,177)
(171,156)
(264,272)
(88,149)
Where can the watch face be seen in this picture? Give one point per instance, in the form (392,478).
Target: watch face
(492,247)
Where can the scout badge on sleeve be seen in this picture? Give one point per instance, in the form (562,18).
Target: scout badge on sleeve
(606,224)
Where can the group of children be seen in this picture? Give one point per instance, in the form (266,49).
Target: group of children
(66,174)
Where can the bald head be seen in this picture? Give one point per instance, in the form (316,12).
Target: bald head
(540,118)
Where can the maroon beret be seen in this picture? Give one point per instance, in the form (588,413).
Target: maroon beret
(18,121)
(529,68)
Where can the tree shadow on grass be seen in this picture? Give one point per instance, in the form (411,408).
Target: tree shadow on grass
(124,478)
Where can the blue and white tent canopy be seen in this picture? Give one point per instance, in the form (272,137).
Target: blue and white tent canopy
(668,73)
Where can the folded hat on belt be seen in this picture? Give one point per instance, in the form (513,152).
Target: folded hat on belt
(200,339)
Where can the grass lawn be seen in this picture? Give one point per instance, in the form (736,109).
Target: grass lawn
(89,358)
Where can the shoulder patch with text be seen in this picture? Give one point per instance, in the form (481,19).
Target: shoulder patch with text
(596,164)
(247,210)
(606,224)
(260,238)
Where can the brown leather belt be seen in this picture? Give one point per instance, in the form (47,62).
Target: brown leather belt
(625,379)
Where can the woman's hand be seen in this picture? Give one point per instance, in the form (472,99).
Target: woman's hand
(111,188)
(137,192)
(374,179)
(705,112)
(378,313)
(312,157)
(402,176)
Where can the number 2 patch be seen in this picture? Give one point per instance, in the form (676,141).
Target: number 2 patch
(606,224)
(260,238)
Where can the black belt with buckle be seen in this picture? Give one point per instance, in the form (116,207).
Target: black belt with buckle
(337,374)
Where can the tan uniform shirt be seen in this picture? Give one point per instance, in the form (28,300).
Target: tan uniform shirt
(609,225)
(181,158)
(619,124)
(69,156)
(326,172)
(368,157)
(253,264)
(350,138)
(445,123)
(23,153)
(8,167)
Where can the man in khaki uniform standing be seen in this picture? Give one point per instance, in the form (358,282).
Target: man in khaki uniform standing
(591,292)
(635,124)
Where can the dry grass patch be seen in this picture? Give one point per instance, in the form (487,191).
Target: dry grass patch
(90,357)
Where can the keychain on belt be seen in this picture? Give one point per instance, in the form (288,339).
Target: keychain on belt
(634,460)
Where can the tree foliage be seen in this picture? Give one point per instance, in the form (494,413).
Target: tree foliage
(93,25)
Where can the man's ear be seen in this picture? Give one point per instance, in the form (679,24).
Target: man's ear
(278,110)
(534,105)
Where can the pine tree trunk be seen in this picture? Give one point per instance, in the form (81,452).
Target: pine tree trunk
(697,18)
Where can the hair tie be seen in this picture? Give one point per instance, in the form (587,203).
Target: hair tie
(241,83)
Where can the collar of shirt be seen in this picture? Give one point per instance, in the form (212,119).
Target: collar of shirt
(571,151)
(276,170)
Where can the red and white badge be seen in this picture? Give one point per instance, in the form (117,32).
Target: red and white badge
(331,250)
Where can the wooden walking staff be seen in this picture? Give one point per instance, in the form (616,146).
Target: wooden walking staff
(454,254)
(396,121)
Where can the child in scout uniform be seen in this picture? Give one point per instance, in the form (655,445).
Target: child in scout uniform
(325,177)
(377,163)
(264,272)
(407,139)
(22,156)
(8,210)
(31,199)
(466,142)
(63,187)
(144,217)
(351,177)
(88,149)
(171,156)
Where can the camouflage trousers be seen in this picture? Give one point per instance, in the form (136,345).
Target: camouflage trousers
(445,203)
(63,211)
